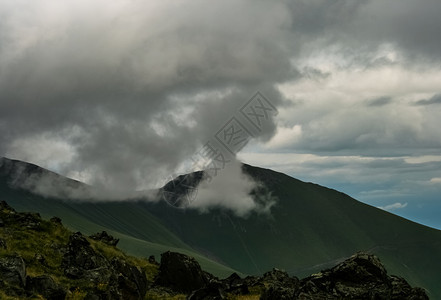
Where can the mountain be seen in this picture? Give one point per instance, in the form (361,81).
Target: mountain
(309,228)
(140,233)
(41,259)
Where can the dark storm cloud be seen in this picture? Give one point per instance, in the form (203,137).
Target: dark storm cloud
(410,26)
(359,28)
(380,101)
(434,100)
(413,26)
(317,16)
(134,88)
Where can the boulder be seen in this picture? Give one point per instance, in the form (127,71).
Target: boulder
(234,284)
(56,221)
(361,267)
(81,261)
(276,291)
(5,208)
(25,220)
(44,285)
(180,272)
(279,285)
(253,281)
(362,276)
(152,260)
(13,270)
(402,290)
(132,281)
(28,220)
(104,237)
(276,276)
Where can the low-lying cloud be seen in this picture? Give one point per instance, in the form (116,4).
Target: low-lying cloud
(233,190)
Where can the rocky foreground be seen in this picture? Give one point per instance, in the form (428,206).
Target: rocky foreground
(42,259)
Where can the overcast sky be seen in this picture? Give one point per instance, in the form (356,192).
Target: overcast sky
(121,93)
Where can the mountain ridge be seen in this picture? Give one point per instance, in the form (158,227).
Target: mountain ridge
(310,227)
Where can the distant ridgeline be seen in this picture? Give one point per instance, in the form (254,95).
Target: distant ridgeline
(40,258)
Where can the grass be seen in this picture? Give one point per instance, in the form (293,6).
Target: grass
(244,297)
(78,217)
(154,296)
(47,242)
(28,243)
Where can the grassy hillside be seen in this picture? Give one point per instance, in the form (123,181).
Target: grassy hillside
(41,259)
(42,246)
(310,228)
(140,233)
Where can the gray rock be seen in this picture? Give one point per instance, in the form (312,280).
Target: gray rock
(4,207)
(254,281)
(132,281)
(276,291)
(152,260)
(362,276)
(56,221)
(13,270)
(81,261)
(26,220)
(104,237)
(280,285)
(234,284)
(180,272)
(277,276)
(402,290)
(45,286)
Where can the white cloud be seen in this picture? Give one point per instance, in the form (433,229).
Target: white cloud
(231,189)
(396,205)
(436,180)
(284,137)
(333,112)
(422,159)
(44,149)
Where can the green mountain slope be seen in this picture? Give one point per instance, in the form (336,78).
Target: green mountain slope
(41,259)
(140,233)
(309,229)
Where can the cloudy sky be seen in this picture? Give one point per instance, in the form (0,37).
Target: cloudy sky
(120,94)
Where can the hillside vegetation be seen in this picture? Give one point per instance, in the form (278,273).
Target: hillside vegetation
(41,259)
(310,228)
